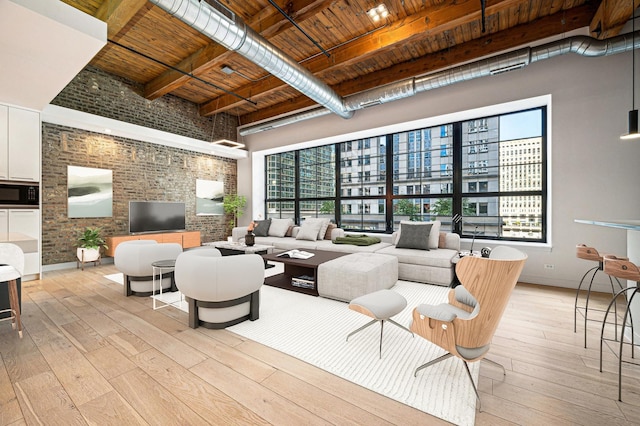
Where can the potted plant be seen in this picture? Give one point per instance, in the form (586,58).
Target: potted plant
(233,204)
(89,244)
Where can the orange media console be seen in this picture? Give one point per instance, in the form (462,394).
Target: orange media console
(187,239)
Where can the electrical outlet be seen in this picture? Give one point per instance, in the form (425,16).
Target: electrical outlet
(548,266)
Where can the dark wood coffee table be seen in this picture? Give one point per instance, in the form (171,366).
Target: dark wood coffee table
(300,267)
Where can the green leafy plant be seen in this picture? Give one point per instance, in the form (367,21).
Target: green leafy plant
(407,208)
(234,204)
(91,238)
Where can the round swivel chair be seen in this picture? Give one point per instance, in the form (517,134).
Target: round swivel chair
(591,254)
(135,260)
(221,290)
(620,268)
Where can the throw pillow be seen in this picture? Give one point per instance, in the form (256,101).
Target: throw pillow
(279,227)
(414,236)
(262,228)
(309,230)
(434,236)
(323,228)
(331,227)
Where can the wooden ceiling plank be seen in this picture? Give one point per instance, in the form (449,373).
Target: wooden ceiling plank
(489,44)
(427,23)
(611,17)
(204,59)
(117,13)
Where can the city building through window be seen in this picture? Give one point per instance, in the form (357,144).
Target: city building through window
(490,170)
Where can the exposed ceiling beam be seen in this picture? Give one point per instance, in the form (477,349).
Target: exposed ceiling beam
(268,23)
(456,55)
(118,13)
(427,23)
(611,17)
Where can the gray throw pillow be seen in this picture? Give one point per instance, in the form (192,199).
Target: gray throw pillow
(262,228)
(414,236)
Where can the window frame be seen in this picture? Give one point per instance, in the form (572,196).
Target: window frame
(542,103)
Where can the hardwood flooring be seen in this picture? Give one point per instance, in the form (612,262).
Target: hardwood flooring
(92,356)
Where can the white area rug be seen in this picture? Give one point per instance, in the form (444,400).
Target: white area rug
(314,329)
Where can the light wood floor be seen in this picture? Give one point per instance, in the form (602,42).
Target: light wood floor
(91,356)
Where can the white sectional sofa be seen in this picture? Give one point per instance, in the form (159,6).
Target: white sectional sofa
(432,266)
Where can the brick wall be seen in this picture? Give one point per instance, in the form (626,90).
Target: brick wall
(96,92)
(141,171)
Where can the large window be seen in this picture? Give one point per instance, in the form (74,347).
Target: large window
(490,170)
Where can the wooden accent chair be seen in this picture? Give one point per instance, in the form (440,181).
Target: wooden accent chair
(465,326)
(620,268)
(589,253)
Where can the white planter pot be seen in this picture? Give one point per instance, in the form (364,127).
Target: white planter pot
(87,254)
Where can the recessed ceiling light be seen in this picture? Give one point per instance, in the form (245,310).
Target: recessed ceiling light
(379,12)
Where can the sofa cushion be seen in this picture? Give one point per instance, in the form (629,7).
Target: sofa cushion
(331,227)
(309,230)
(434,234)
(262,227)
(324,224)
(414,236)
(439,258)
(279,227)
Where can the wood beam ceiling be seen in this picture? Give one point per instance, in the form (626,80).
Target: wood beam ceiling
(118,13)
(490,44)
(269,23)
(611,16)
(432,21)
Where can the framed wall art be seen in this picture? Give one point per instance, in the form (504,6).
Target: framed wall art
(89,192)
(209,197)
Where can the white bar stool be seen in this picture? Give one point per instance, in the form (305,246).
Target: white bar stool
(11,269)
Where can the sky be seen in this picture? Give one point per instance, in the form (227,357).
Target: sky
(521,125)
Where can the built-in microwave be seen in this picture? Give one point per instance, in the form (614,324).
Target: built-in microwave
(18,194)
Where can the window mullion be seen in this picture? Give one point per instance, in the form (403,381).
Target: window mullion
(456,202)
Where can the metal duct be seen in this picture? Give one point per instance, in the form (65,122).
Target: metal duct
(227,29)
(586,46)
(581,45)
(273,124)
(380,95)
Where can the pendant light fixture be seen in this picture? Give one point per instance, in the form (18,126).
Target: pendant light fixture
(633,114)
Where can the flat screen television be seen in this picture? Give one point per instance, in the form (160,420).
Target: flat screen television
(156,216)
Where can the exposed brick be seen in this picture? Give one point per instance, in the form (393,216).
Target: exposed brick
(141,171)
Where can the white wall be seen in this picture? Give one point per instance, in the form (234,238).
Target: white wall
(594,174)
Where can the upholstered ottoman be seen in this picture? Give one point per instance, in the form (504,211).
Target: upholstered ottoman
(357,274)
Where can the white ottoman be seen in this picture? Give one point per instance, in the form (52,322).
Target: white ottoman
(357,274)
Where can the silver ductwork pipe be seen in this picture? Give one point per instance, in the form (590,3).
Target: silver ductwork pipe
(586,46)
(291,119)
(224,27)
(581,45)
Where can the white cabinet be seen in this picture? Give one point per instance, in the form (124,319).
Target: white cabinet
(4,143)
(23,145)
(24,222)
(4,221)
